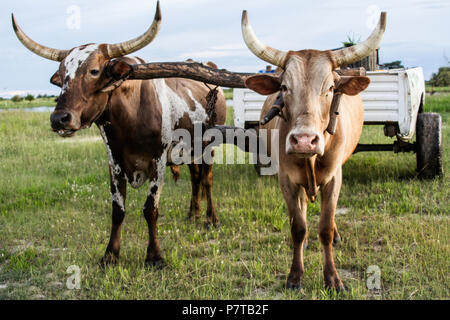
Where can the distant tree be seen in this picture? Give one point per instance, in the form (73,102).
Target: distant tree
(29,97)
(397,64)
(16,98)
(441,78)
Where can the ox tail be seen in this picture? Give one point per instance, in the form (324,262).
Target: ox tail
(175,172)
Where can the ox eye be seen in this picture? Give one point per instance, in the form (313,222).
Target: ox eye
(283,88)
(94,72)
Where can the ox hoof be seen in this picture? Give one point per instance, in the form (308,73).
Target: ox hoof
(294,280)
(208,224)
(335,284)
(191,218)
(108,259)
(157,264)
(293,286)
(339,289)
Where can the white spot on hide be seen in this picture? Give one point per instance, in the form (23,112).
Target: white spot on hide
(158,181)
(199,114)
(173,108)
(176,107)
(115,169)
(74,60)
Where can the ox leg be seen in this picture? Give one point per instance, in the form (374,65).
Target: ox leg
(296,200)
(207,180)
(329,199)
(118,192)
(196,178)
(151,213)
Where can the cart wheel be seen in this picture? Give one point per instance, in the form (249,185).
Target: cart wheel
(429,145)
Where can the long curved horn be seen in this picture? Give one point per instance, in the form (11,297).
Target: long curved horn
(262,51)
(124,48)
(357,52)
(40,50)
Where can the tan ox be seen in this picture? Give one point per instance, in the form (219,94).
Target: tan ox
(310,157)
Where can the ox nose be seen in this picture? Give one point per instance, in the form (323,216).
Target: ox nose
(60,119)
(304,142)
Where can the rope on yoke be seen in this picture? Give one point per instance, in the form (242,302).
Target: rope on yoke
(211,99)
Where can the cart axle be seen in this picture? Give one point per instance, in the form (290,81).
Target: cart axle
(397,146)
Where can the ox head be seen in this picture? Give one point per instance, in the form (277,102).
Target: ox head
(87,74)
(308,84)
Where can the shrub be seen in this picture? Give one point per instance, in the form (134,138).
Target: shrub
(397,64)
(16,98)
(442,78)
(29,97)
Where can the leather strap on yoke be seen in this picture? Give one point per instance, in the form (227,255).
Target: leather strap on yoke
(312,189)
(334,112)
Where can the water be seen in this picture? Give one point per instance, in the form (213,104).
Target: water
(35,109)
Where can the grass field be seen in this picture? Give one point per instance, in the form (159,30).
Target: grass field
(38,102)
(228,93)
(429,88)
(55,212)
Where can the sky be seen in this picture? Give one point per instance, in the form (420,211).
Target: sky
(417,32)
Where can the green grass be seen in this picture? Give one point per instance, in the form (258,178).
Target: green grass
(228,93)
(428,88)
(439,103)
(38,102)
(55,211)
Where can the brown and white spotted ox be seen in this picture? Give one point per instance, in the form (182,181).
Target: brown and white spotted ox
(136,119)
(310,158)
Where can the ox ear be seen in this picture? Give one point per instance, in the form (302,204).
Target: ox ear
(119,69)
(56,79)
(352,85)
(264,83)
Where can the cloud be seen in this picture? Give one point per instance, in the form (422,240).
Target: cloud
(229,46)
(210,30)
(34,92)
(206,54)
(203,54)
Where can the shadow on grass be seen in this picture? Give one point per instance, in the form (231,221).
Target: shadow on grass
(364,168)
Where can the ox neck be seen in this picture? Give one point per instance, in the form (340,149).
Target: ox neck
(103,119)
